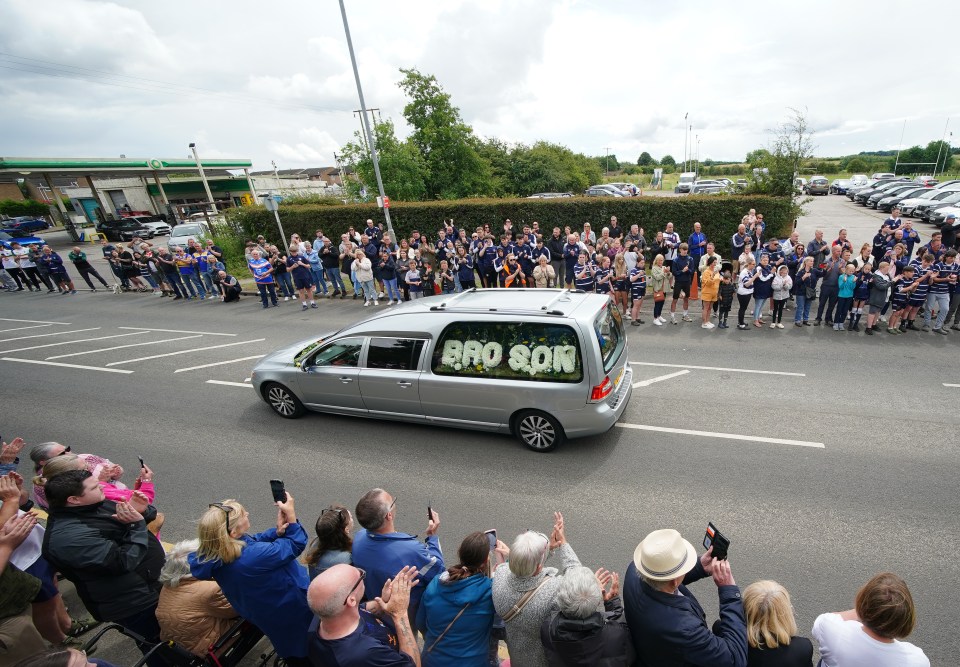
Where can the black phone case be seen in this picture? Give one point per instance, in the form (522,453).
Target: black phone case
(720,543)
(281,491)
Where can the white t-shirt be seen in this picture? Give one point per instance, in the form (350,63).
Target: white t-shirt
(845,644)
(24,256)
(9,261)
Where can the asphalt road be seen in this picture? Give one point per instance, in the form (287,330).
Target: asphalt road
(836,461)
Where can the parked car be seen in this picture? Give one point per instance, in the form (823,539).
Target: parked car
(799,184)
(926,181)
(443,360)
(883,174)
(937,217)
(887,203)
(182,234)
(874,199)
(6,239)
(863,195)
(930,210)
(706,186)
(858,180)
(817,185)
(726,182)
(21,226)
(910,205)
(154,222)
(550,195)
(686,181)
(124,230)
(742,184)
(603,191)
(628,189)
(947,185)
(839,186)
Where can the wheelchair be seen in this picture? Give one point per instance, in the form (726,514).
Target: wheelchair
(227,651)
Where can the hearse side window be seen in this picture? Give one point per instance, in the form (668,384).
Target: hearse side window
(535,351)
(343,352)
(394,354)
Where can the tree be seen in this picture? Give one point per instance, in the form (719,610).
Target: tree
(790,148)
(608,162)
(454,168)
(939,153)
(758,157)
(667,160)
(645,160)
(857,165)
(401,165)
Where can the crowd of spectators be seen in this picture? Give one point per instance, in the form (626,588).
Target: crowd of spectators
(370,594)
(895,280)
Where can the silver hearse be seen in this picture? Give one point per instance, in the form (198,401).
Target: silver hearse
(542,364)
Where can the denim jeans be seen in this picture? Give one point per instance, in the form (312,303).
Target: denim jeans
(150,280)
(393,292)
(265,289)
(318,279)
(758,308)
(285,283)
(802,313)
(336,280)
(843,309)
(174,280)
(942,302)
(192,280)
(828,300)
(357,287)
(369,290)
(208,282)
(187,285)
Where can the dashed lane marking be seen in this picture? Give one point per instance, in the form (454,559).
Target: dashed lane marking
(950,385)
(723,436)
(647,383)
(190,351)
(716,368)
(56,333)
(230,384)
(219,363)
(205,333)
(32,326)
(62,365)
(8,319)
(70,342)
(121,347)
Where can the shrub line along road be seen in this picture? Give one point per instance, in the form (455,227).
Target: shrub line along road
(824,456)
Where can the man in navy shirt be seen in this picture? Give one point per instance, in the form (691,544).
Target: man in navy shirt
(349,633)
(893,223)
(571,252)
(372,231)
(697,243)
(736,246)
(910,236)
(939,295)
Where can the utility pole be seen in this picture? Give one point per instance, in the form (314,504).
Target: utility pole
(366,124)
(607,149)
(685,140)
(276,174)
(940,149)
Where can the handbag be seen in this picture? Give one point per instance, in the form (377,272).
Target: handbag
(659,295)
(522,602)
(810,292)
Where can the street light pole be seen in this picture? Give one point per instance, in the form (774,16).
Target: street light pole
(366,123)
(203,177)
(685,140)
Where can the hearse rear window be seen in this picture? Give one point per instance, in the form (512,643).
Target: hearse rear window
(509,351)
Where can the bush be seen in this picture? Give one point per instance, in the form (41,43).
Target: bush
(719,215)
(27,207)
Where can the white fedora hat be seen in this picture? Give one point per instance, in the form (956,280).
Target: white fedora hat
(664,555)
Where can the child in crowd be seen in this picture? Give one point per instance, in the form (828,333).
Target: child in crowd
(447,284)
(638,290)
(728,287)
(428,280)
(413,280)
(782,285)
(861,293)
(845,286)
(603,276)
(583,274)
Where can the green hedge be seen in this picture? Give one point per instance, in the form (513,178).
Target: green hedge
(26,207)
(718,214)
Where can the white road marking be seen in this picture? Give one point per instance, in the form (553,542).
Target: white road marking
(57,333)
(61,365)
(32,326)
(246,379)
(173,354)
(70,342)
(219,363)
(230,384)
(121,347)
(715,368)
(647,383)
(7,319)
(204,333)
(950,385)
(725,436)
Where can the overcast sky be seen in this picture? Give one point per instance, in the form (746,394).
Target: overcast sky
(272,80)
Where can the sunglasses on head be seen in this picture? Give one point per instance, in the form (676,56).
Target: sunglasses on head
(226,509)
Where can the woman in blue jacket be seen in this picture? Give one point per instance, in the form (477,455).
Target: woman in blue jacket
(259,574)
(456,612)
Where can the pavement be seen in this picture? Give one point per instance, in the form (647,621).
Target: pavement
(825,457)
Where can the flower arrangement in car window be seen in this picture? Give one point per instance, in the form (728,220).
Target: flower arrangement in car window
(510,351)
(297,360)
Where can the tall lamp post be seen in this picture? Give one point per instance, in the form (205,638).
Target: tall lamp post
(366,125)
(203,177)
(685,140)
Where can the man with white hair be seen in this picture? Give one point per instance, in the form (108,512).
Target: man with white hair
(667,623)
(349,633)
(588,628)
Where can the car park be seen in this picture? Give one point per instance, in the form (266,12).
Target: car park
(22,225)
(887,203)
(686,181)
(817,185)
(6,239)
(154,222)
(603,191)
(839,186)
(181,235)
(873,201)
(864,194)
(124,230)
(543,365)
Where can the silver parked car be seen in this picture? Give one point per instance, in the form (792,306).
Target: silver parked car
(544,365)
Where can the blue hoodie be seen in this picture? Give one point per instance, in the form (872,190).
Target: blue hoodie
(267,586)
(466,642)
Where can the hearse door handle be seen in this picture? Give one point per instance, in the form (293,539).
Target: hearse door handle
(346,380)
(404,383)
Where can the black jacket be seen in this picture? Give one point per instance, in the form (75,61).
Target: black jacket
(601,640)
(113,566)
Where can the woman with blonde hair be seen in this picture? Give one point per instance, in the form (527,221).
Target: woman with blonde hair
(772,629)
(660,280)
(543,273)
(620,284)
(259,574)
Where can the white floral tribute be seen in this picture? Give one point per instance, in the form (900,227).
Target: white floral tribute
(540,360)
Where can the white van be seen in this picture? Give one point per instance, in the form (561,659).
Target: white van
(687,179)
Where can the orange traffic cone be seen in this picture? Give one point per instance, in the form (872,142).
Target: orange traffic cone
(694,292)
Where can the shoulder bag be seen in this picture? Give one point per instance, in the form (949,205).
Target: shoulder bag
(449,625)
(522,602)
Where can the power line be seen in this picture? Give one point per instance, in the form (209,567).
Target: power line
(64,71)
